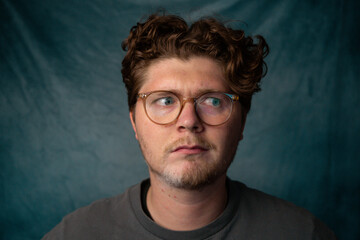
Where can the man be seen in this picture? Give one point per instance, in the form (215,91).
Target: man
(189,90)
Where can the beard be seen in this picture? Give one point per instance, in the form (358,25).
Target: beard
(199,170)
(195,177)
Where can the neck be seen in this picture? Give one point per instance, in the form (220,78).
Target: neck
(185,210)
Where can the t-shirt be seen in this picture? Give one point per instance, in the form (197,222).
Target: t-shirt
(249,214)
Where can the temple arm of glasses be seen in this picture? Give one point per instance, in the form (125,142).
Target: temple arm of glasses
(232,96)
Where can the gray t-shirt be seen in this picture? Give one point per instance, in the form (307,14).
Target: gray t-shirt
(249,214)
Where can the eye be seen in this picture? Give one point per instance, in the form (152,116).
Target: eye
(165,101)
(213,102)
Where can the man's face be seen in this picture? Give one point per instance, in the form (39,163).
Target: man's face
(187,154)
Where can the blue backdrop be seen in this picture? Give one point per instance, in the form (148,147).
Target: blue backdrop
(65,136)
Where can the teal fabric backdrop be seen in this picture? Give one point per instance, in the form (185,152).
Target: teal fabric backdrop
(65,135)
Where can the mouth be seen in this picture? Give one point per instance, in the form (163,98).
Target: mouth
(186,149)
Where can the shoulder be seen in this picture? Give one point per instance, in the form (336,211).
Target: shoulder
(255,198)
(263,203)
(275,215)
(97,218)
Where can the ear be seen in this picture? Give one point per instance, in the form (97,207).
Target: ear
(132,119)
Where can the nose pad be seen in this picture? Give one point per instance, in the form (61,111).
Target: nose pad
(188,117)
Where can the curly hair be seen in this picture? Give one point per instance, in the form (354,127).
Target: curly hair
(166,36)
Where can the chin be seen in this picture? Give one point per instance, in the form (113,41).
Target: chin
(192,177)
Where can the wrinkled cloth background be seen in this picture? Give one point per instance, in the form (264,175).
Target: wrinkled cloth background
(65,134)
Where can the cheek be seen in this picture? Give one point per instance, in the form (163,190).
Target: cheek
(237,124)
(229,136)
(150,137)
(142,122)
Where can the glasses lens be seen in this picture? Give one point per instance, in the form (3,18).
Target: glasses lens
(162,107)
(214,108)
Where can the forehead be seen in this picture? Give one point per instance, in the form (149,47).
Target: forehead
(188,77)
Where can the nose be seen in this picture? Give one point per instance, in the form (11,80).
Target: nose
(188,118)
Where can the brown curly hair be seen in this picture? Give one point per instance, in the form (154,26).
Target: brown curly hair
(166,36)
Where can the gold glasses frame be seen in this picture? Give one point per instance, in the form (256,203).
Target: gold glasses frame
(183,100)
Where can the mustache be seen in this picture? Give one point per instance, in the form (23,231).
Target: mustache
(199,141)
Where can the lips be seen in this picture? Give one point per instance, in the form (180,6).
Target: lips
(185,149)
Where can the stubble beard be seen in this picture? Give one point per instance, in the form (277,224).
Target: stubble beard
(202,172)
(195,177)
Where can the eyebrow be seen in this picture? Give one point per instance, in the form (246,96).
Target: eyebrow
(198,93)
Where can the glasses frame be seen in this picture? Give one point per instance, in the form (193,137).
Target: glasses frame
(183,100)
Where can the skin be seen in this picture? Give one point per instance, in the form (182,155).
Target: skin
(187,159)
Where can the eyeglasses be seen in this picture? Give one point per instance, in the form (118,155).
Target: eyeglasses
(164,107)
